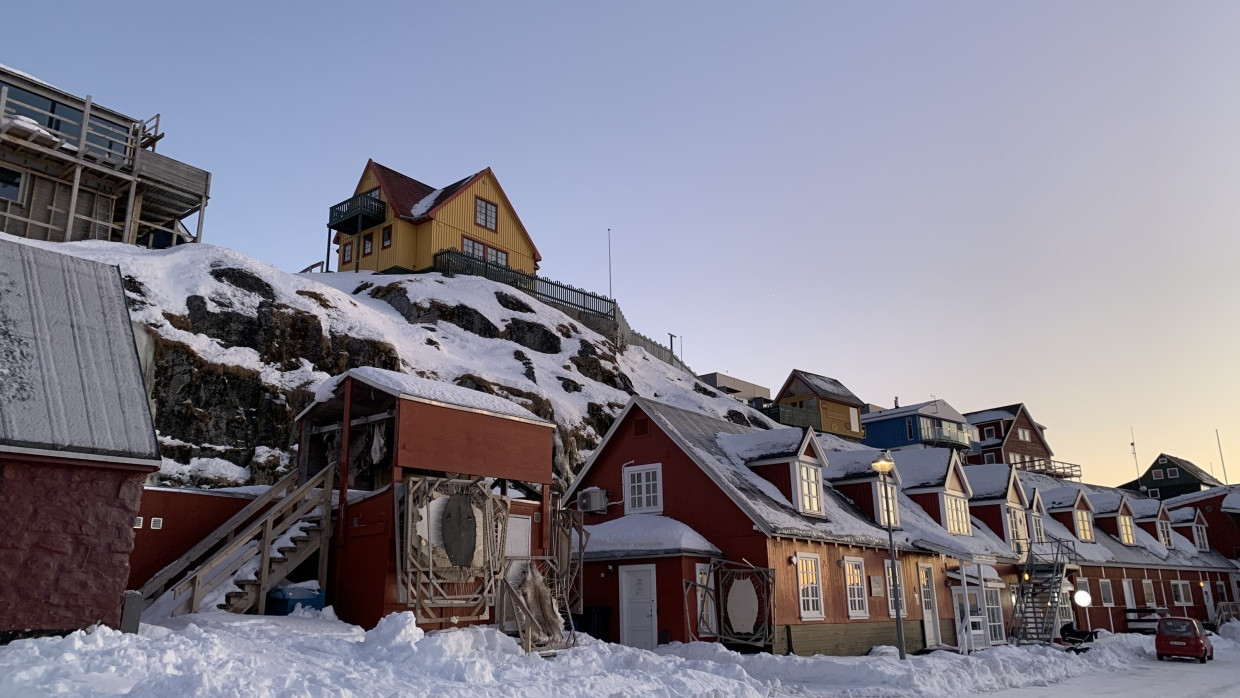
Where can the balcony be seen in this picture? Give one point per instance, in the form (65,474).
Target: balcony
(1054,468)
(357,214)
(791,416)
(950,437)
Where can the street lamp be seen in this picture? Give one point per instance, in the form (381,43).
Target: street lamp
(883,465)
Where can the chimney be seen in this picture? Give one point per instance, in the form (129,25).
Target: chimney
(897,402)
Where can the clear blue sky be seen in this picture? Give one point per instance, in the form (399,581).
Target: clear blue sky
(985,202)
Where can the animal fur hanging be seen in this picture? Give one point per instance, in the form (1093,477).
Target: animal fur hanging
(378,445)
(546,626)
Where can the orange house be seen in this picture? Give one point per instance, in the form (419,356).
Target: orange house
(393,221)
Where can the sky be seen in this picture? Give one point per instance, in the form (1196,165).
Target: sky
(987,203)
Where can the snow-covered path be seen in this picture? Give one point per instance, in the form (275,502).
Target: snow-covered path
(220,654)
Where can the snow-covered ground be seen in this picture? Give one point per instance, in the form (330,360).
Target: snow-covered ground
(311,654)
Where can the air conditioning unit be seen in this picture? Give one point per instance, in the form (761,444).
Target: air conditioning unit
(592,500)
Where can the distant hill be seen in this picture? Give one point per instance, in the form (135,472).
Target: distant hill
(232,349)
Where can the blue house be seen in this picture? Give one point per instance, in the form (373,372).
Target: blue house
(933,424)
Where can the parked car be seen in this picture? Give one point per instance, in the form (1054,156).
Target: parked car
(1182,637)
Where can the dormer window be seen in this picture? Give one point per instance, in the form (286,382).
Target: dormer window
(1084,526)
(887,514)
(1199,537)
(990,433)
(1037,533)
(1125,530)
(1173,473)
(643,487)
(958,522)
(809,487)
(1018,532)
(1164,533)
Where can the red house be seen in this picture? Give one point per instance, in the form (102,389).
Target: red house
(76,441)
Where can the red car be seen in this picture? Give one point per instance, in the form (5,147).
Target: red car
(1182,637)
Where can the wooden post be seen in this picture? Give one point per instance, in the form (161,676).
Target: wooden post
(325,533)
(264,566)
(202,210)
(327,258)
(342,508)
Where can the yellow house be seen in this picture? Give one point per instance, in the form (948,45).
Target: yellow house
(396,222)
(826,404)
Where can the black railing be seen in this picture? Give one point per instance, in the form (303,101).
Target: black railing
(365,205)
(450,262)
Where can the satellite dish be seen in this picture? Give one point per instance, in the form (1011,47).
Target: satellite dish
(1082,598)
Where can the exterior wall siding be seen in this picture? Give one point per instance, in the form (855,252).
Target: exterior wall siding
(459,441)
(887,433)
(456,219)
(1112,618)
(188,517)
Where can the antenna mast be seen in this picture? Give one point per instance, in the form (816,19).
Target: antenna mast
(1220,457)
(1136,465)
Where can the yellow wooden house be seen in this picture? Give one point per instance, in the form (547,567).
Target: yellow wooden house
(822,403)
(395,222)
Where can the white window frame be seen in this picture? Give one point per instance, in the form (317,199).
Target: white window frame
(881,513)
(1156,473)
(1037,532)
(1200,537)
(989,433)
(627,473)
(891,591)
(1106,593)
(958,518)
(1084,525)
(807,478)
(994,617)
(706,601)
(1126,534)
(1164,533)
(1147,590)
(1181,592)
(1173,473)
(854,588)
(1013,458)
(988,457)
(1153,493)
(809,586)
(1018,527)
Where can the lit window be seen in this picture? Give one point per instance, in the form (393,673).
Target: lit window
(1157,473)
(348,252)
(1014,459)
(1084,526)
(1036,529)
(809,486)
(1181,593)
(1024,435)
(888,512)
(644,485)
(854,578)
(484,213)
(1125,530)
(809,581)
(10,184)
(368,244)
(386,237)
(1173,473)
(473,248)
(495,256)
(1106,592)
(1199,538)
(1164,533)
(1147,587)
(891,591)
(958,521)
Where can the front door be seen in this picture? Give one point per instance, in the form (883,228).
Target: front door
(638,609)
(517,545)
(971,617)
(1130,599)
(1208,595)
(929,606)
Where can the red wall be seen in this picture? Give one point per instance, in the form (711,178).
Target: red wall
(992,516)
(778,474)
(68,531)
(189,516)
(929,503)
(602,588)
(362,567)
(461,441)
(1112,617)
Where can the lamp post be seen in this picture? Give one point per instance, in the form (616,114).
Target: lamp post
(883,465)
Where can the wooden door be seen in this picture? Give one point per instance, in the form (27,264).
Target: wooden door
(638,608)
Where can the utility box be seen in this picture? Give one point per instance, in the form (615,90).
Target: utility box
(282,600)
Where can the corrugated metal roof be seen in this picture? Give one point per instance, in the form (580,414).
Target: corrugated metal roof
(69,373)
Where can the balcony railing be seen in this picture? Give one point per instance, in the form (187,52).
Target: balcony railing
(941,435)
(1054,468)
(367,207)
(791,416)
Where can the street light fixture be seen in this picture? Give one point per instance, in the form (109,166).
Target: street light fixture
(883,464)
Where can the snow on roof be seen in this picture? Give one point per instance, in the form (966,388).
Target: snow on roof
(644,535)
(993,415)
(933,408)
(922,467)
(990,481)
(403,384)
(1208,493)
(1183,515)
(853,463)
(1231,503)
(1060,497)
(1144,507)
(829,387)
(770,443)
(425,204)
(69,373)
(1106,502)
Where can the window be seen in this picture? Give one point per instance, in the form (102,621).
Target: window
(809,581)
(706,600)
(484,213)
(1018,531)
(1181,593)
(908,427)
(1106,592)
(887,513)
(1173,473)
(385,237)
(958,515)
(1125,530)
(988,457)
(1164,533)
(473,248)
(891,591)
(989,433)
(1199,537)
(1082,584)
(809,487)
(1162,461)
(495,256)
(1153,493)
(1084,526)
(1147,589)
(1157,473)
(1024,435)
(1220,591)
(644,485)
(854,579)
(368,244)
(994,616)
(348,252)
(1013,459)
(1035,528)
(10,184)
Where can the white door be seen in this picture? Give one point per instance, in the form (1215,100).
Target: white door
(1208,595)
(1130,599)
(929,606)
(517,545)
(972,618)
(638,609)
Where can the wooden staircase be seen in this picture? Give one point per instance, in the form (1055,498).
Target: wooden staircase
(1040,595)
(252,552)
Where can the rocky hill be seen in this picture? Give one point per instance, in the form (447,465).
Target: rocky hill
(233,348)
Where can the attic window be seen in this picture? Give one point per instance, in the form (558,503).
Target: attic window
(809,487)
(988,457)
(990,432)
(1036,531)
(10,184)
(1199,538)
(958,522)
(1153,493)
(484,213)
(1018,528)
(1084,526)
(643,486)
(1162,461)
(641,426)
(1157,473)
(1173,473)
(1164,533)
(886,514)
(1125,530)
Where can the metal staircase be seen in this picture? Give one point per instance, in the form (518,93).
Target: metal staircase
(1039,595)
(243,559)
